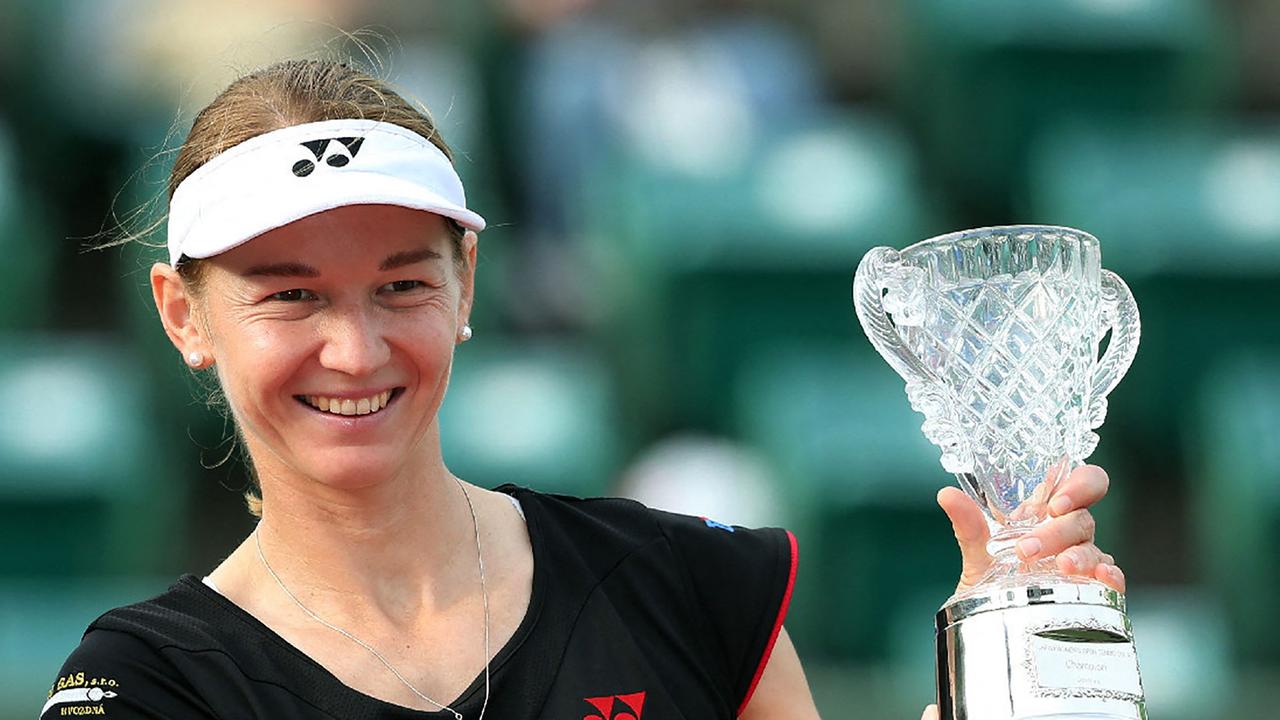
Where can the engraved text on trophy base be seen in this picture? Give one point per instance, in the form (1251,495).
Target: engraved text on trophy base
(1086,669)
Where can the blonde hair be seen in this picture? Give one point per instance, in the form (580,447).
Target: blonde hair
(282,95)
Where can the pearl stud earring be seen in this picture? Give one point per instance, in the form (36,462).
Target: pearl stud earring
(195,359)
(465,333)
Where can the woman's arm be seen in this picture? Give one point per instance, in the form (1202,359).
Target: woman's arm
(783,692)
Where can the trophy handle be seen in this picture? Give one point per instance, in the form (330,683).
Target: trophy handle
(1120,316)
(885,285)
(882,270)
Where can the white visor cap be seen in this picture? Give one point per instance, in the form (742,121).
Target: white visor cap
(285,175)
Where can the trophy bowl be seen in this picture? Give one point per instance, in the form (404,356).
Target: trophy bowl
(997,333)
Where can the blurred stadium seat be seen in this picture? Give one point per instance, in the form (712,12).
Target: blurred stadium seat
(84,508)
(1190,218)
(41,621)
(983,78)
(857,479)
(912,655)
(1166,197)
(1234,493)
(685,97)
(1184,653)
(540,415)
(27,289)
(79,462)
(700,270)
(708,477)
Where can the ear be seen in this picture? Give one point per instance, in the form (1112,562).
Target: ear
(469,242)
(177,315)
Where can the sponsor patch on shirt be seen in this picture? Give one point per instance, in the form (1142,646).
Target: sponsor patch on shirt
(79,695)
(718,525)
(617,707)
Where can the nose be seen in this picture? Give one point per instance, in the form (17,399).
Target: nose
(354,342)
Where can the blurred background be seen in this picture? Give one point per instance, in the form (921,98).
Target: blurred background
(678,193)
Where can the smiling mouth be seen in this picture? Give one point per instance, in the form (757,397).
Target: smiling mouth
(350,406)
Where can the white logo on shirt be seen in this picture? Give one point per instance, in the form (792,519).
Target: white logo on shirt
(91,694)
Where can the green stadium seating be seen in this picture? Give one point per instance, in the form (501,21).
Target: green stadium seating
(80,484)
(1234,495)
(1190,218)
(858,481)
(1184,653)
(700,269)
(41,622)
(982,78)
(912,656)
(28,291)
(540,415)
(1166,198)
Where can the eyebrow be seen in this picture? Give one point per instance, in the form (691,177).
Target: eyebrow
(407,257)
(282,269)
(297,269)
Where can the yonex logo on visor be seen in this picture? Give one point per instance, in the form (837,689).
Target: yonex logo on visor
(257,185)
(304,167)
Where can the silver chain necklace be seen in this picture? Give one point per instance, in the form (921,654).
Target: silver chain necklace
(484,593)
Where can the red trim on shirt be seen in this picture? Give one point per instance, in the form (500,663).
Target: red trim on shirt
(777,624)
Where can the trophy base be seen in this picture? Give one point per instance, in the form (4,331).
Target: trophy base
(1044,650)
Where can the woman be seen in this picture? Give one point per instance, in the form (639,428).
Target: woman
(322,264)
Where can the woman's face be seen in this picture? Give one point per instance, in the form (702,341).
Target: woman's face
(333,338)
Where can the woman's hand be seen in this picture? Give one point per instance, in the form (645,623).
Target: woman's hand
(1068,534)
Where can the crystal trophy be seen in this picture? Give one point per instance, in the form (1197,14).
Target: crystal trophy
(997,333)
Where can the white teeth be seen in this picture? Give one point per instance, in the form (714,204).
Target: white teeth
(341,406)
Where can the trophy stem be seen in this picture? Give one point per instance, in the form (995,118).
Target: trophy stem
(1007,569)
(1003,544)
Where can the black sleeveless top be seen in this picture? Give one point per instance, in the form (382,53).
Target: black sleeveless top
(635,613)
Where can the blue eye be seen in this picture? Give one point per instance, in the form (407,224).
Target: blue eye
(294,295)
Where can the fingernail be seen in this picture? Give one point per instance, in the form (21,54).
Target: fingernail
(1115,573)
(1060,504)
(1029,547)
